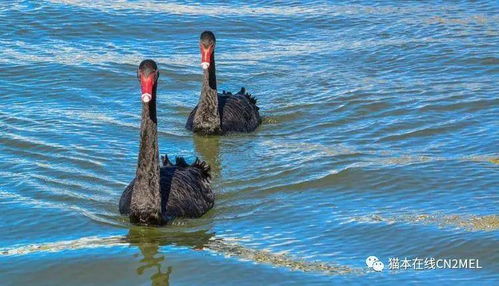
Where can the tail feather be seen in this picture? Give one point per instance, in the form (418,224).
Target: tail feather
(203,167)
(165,161)
(180,162)
(250,97)
(242,91)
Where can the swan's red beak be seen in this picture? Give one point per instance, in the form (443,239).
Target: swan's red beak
(147,84)
(206,54)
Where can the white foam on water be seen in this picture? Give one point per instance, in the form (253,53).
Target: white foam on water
(464,222)
(81,243)
(216,246)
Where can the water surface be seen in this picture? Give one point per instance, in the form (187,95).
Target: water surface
(380,138)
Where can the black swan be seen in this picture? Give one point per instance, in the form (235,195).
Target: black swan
(159,194)
(220,113)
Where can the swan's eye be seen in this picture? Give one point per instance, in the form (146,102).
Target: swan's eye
(157,74)
(138,75)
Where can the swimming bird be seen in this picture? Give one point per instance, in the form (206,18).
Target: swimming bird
(220,113)
(158,194)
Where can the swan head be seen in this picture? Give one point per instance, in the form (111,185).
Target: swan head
(147,75)
(207,43)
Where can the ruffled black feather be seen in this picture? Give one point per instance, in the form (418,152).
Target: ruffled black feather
(250,97)
(203,167)
(165,161)
(180,162)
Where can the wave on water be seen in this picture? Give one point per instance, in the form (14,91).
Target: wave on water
(36,203)
(271,9)
(67,53)
(216,246)
(175,8)
(468,223)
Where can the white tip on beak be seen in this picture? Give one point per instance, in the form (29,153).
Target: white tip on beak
(146,97)
(205,65)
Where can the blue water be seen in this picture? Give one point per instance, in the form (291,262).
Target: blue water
(380,137)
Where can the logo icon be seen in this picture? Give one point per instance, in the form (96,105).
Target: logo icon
(374,263)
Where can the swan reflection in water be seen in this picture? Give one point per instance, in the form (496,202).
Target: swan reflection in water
(150,239)
(208,147)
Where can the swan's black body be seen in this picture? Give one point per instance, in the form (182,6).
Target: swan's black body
(156,195)
(238,113)
(185,192)
(221,113)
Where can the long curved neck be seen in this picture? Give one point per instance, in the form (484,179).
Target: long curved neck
(210,74)
(207,119)
(146,197)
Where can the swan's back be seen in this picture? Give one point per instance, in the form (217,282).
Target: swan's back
(238,112)
(185,190)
